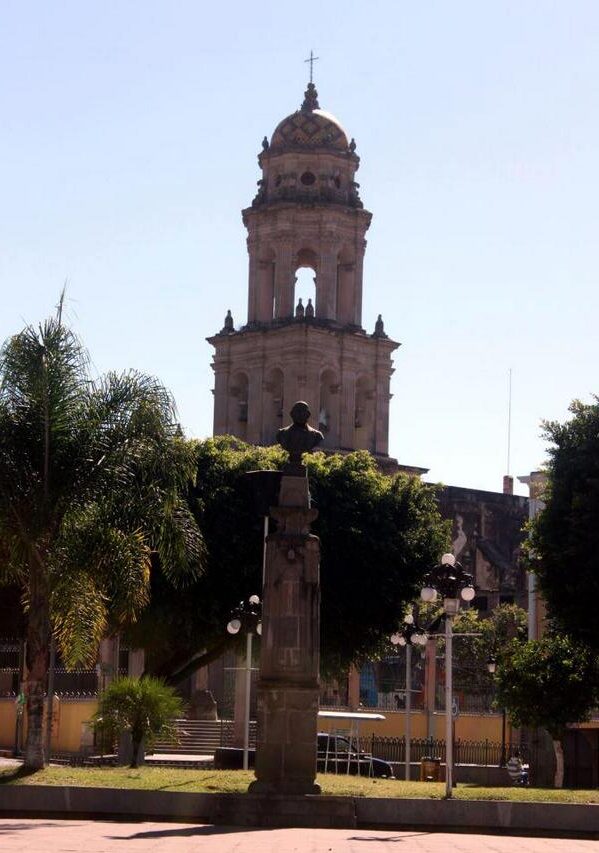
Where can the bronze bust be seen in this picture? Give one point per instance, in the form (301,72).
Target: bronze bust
(298,438)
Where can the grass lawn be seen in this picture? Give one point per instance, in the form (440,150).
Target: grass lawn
(237,781)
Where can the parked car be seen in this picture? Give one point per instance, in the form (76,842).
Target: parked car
(335,754)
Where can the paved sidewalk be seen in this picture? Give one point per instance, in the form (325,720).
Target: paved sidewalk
(53,836)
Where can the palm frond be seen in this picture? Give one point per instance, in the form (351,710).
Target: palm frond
(79,617)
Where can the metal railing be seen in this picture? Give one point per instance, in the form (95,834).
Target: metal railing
(485,752)
(68,683)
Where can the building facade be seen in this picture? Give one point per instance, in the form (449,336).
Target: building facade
(487,538)
(307,214)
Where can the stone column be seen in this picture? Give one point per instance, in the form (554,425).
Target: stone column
(266,293)
(220,366)
(137,662)
(284,283)
(311,390)
(253,283)
(358,276)
(326,282)
(109,660)
(353,688)
(255,404)
(345,293)
(383,398)
(347,412)
(288,689)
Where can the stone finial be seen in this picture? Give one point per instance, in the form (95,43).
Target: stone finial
(228,327)
(265,144)
(309,309)
(299,309)
(379,328)
(310,99)
(298,438)
(352,145)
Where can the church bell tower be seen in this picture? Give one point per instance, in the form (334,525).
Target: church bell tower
(307,213)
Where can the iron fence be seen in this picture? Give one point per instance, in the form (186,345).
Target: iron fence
(9,656)
(75,682)
(484,752)
(68,683)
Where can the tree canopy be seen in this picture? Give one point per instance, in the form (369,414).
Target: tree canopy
(548,683)
(92,476)
(471,653)
(565,536)
(379,535)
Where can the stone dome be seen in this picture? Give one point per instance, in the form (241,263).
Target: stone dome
(310,127)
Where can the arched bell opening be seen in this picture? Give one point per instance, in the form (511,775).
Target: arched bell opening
(364,414)
(273,405)
(305,284)
(328,408)
(238,404)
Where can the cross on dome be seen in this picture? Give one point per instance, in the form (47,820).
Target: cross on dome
(312,59)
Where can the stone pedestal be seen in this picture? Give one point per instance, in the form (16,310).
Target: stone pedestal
(288,688)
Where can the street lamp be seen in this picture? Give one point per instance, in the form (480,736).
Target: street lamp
(452,583)
(410,634)
(247,617)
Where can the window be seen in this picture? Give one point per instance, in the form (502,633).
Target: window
(308,178)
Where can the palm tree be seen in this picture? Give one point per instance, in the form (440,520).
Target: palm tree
(92,477)
(144,707)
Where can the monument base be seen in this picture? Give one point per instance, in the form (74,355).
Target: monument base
(286,749)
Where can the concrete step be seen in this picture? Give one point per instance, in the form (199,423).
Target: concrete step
(199,737)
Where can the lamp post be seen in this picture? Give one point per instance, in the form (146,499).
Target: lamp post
(246,617)
(409,635)
(451,582)
(492,668)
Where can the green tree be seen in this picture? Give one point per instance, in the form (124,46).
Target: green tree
(548,683)
(181,633)
(379,535)
(144,707)
(471,653)
(91,482)
(565,536)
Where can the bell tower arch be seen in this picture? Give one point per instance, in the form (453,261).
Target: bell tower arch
(307,218)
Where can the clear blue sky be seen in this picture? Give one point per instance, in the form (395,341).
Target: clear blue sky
(128,141)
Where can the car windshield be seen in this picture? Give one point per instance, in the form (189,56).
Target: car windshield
(333,744)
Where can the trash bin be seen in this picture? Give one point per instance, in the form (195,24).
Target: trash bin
(430,770)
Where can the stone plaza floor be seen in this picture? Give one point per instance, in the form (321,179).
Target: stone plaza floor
(82,836)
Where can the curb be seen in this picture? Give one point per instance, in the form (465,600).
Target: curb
(231,809)
(299,811)
(491,815)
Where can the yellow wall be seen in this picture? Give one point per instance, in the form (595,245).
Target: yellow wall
(68,718)
(467,726)
(73,713)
